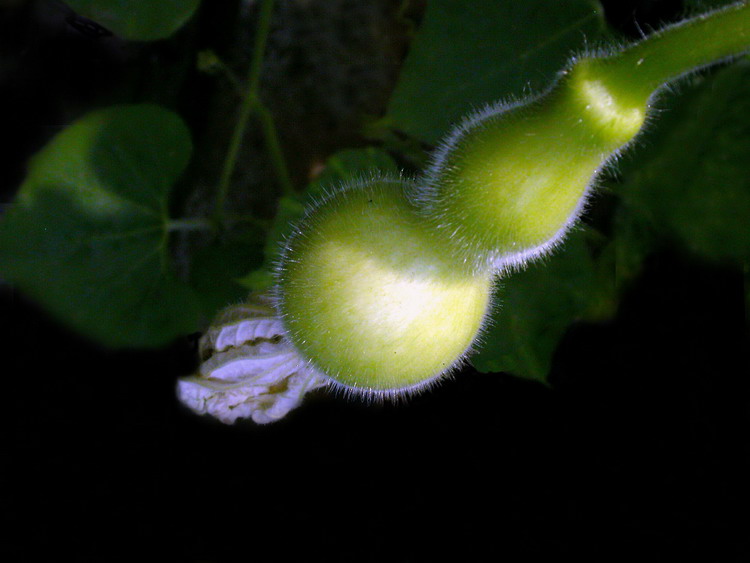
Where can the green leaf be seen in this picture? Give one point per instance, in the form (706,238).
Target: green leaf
(468,54)
(215,272)
(537,305)
(344,167)
(692,184)
(87,234)
(695,7)
(138,20)
(351,165)
(288,212)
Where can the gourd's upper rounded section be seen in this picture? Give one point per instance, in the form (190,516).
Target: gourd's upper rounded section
(372,297)
(509,182)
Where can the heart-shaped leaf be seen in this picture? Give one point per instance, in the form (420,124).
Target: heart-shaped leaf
(87,236)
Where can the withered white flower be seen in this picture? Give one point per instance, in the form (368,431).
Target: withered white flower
(248,369)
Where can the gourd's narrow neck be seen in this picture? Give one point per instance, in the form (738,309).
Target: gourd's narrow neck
(678,49)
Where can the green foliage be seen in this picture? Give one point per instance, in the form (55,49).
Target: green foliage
(288,211)
(468,54)
(536,306)
(351,165)
(217,271)
(138,20)
(702,6)
(694,187)
(88,234)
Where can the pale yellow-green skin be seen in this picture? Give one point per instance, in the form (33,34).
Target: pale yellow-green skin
(370,296)
(513,181)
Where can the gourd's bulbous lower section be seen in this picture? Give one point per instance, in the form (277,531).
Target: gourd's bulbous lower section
(372,298)
(509,181)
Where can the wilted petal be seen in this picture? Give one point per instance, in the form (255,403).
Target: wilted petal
(249,369)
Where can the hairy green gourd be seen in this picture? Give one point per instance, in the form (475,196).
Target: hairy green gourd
(369,295)
(510,181)
(386,285)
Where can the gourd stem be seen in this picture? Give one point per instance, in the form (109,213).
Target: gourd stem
(680,48)
(251,102)
(189,224)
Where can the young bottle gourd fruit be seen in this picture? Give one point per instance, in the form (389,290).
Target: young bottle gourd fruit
(508,183)
(370,296)
(386,284)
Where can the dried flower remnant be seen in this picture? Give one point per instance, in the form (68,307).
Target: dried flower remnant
(248,368)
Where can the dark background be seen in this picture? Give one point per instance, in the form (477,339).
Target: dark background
(638,450)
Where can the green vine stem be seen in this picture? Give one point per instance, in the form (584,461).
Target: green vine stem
(252,103)
(190,224)
(680,48)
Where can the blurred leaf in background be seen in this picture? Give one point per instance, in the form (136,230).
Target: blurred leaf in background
(87,236)
(702,6)
(535,307)
(689,182)
(138,20)
(469,54)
